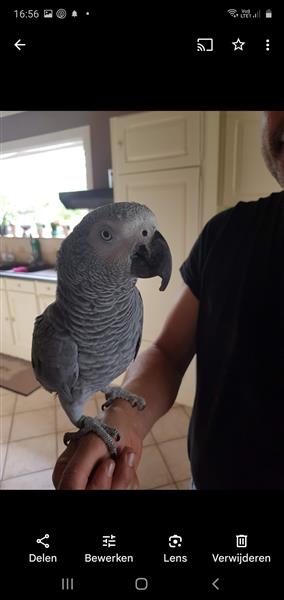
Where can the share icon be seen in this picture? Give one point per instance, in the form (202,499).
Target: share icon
(39,540)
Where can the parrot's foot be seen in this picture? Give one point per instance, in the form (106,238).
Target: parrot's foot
(114,392)
(88,424)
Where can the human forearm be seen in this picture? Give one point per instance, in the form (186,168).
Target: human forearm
(155,377)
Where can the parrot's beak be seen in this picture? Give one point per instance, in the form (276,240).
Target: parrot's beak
(154,259)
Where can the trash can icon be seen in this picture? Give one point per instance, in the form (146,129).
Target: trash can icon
(241,541)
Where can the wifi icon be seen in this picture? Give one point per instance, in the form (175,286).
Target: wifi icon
(233,12)
(200,47)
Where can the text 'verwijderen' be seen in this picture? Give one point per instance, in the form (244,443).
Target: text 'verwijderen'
(240,558)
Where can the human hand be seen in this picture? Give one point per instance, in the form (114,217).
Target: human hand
(86,463)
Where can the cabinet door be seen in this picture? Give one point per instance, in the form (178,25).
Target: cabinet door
(46,294)
(7,337)
(23,310)
(174,198)
(151,141)
(243,173)
(44,302)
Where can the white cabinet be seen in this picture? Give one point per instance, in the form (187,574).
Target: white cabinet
(156,161)
(21,302)
(23,310)
(151,141)
(243,173)
(8,344)
(46,293)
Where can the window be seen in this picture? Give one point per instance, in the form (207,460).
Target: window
(33,173)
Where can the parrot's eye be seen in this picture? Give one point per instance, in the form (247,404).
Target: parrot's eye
(106,235)
(144,232)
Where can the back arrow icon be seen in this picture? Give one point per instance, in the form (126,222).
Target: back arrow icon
(18,44)
(214,583)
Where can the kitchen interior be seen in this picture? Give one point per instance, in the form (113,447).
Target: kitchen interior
(55,167)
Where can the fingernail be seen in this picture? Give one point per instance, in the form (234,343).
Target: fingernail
(131,459)
(110,469)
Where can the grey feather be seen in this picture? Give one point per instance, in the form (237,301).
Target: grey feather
(51,341)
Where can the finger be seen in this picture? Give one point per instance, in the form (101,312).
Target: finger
(89,451)
(101,479)
(124,476)
(134,483)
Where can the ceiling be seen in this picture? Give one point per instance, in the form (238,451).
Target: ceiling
(7,113)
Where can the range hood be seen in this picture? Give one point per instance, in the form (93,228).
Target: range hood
(87,198)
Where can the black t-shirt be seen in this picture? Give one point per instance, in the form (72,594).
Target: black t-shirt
(236,270)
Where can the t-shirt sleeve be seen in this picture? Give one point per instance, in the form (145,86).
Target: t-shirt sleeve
(192,268)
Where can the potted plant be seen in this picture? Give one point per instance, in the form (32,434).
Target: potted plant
(54,228)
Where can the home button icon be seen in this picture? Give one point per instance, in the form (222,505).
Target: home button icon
(141,583)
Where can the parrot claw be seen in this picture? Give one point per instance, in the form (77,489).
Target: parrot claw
(112,431)
(116,392)
(95,425)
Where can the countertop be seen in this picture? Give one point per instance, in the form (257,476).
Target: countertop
(45,275)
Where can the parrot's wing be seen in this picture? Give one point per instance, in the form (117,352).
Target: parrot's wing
(54,356)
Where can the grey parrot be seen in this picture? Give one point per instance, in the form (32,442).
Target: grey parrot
(92,332)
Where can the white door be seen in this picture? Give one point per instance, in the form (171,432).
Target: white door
(173,195)
(243,173)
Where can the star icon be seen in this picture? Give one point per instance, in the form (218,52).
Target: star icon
(238,44)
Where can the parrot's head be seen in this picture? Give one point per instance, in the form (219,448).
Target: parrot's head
(119,241)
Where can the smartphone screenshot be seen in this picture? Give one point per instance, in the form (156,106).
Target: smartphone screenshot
(142,294)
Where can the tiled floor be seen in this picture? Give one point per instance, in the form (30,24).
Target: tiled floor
(31,437)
